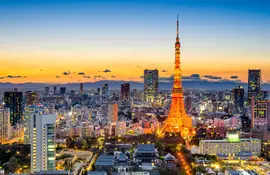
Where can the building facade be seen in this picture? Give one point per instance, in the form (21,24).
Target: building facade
(231,147)
(125,91)
(42,140)
(112,113)
(150,85)
(14,101)
(238,99)
(31,98)
(5,126)
(260,119)
(254,84)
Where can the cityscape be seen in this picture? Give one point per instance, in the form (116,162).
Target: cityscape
(107,112)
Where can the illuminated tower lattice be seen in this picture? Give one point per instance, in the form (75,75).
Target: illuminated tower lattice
(177,122)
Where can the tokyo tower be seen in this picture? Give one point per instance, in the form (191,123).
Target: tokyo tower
(177,122)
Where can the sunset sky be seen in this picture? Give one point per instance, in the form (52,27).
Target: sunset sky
(63,41)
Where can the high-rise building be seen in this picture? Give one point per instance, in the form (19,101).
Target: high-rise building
(42,141)
(14,101)
(238,98)
(47,90)
(54,89)
(260,119)
(105,89)
(98,91)
(178,122)
(254,84)
(29,110)
(31,98)
(62,90)
(5,126)
(81,88)
(112,113)
(150,84)
(125,91)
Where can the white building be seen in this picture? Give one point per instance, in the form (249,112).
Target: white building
(5,126)
(231,147)
(42,126)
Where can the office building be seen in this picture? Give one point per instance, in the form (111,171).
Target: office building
(62,90)
(112,113)
(29,110)
(81,88)
(125,91)
(105,89)
(260,119)
(42,136)
(254,84)
(238,99)
(54,89)
(232,147)
(47,90)
(5,126)
(150,85)
(14,101)
(98,91)
(31,98)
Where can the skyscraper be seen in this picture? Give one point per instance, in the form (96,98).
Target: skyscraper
(29,110)
(178,122)
(5,126)
(62,90)
(47,90)
(54,89)
(105,89)
(31,98)
(112,113)
(260,119)
(41,138)
(238,98)
(125,91)
(150,84)
(81,88)
(254,84)
(13,101)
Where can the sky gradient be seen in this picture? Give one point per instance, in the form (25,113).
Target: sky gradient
(53,40)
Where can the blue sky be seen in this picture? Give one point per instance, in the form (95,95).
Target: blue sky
(219,37)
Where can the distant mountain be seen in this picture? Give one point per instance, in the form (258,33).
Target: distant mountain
(196,84)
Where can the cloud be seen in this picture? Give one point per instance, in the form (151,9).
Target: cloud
(97,76)
(192,77)
(81,73)
(112,76)
(66,73)
(107,71)
(164,71)
(142,77)
(57,77)
(166,79)
(234,77)
(86,77)
(212,77)
(2,77)
(12,76)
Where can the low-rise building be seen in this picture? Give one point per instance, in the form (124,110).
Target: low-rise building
(231,147)
(146,153)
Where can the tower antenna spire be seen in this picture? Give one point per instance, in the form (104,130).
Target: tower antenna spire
(177,30)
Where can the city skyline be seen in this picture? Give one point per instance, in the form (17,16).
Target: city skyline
(57,42)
